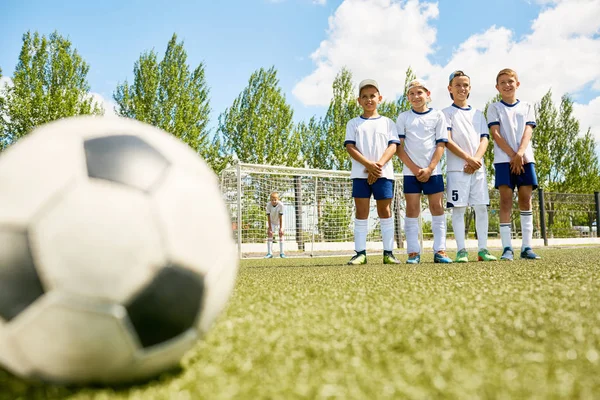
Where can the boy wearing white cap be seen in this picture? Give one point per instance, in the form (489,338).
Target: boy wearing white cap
(371,141)
(423,135)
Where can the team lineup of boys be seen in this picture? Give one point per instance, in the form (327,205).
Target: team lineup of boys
(419,138)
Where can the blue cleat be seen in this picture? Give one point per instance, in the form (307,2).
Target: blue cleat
(442,257)
(281,255)
(507,254)
(413,258)
(269,255)
(528,254)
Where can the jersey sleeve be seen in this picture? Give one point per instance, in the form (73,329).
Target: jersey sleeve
(350,134)
(393,137)
(448,118)
(492,116)
(441,129)
(280,208)
(482,128)
(400,126)
(530,119)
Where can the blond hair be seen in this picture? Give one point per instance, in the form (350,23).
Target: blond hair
(509,72)
(274,194)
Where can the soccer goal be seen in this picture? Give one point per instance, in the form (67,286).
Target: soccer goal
(318,214)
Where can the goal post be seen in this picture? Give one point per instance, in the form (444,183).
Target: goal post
(318,214)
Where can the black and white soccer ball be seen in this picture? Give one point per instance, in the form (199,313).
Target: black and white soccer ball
(116,251)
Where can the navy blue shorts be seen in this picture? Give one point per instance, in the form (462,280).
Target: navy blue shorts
(435,184)
(382,189)
(505,177)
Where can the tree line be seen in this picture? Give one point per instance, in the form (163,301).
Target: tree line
(50,82)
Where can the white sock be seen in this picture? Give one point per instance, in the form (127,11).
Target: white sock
(458,226)
(280,244)
(438,226)
(387,233)
(269,245)
(360,234)
(411,230)
(481,225)
(505,235)
(526,228)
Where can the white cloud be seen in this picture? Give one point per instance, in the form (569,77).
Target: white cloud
(369,37)
(380,38)
(589,117)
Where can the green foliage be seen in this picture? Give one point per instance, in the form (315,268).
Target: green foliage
(49,83)
(334,221)
(258,127)
(170,96)
(313,143)
(342,108)
(254,228)
(488,158)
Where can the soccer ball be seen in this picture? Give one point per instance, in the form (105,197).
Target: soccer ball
(116,252)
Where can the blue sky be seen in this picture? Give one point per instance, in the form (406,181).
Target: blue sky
(308,41)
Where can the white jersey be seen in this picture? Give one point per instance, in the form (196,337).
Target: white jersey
(274,211)
(512,119)
(467,127)
(371,136)
(421,133)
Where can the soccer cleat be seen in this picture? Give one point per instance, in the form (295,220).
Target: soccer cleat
(413,258)
(269,255)
(441,257)
(507,254)
(528,254)
(484,255)
(389,258)
(358,259)
(462,256)
(282,255)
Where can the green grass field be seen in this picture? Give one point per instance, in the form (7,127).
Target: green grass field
(318,329)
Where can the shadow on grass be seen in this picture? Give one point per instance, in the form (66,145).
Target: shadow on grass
(13,387)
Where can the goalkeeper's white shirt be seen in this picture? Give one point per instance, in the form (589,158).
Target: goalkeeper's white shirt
(467,127)
(371,136)
(421,133)
(274,211)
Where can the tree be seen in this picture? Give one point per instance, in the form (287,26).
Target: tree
(342,108)
(49,83)
(314,147)
(170,96)
(258,127)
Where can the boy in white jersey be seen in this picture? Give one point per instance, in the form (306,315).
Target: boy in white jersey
(275,222)
(468,137)
(511,122)
(423,134)
(371,141)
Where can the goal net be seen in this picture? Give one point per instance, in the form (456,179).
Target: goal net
(318,209)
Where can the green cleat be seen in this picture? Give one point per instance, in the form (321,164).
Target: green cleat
(389,258)
(462,256)
(358,259)
(484,255)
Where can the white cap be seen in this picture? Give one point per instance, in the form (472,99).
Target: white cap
(367,82)
(417,83)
